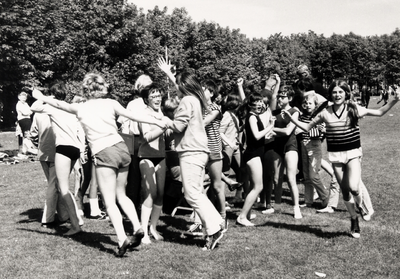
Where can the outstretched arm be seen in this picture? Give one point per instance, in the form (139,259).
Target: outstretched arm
(273,101)
(71,108)
(383,110)
(295,120)
(138,116)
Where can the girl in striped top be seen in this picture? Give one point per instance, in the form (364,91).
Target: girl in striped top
(343,140)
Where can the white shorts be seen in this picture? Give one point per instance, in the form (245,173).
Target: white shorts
(344,157)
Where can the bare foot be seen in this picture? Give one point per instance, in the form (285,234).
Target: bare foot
(73,231)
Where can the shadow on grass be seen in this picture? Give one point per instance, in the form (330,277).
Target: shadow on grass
(316,230)
(92,239)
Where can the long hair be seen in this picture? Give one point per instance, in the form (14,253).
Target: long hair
(353,112)
(94,86)
(188,84)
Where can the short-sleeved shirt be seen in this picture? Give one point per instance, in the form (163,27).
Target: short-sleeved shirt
(340,135)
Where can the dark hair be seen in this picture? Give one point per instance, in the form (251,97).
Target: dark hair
(232,102)
(305,84)
(353,112)
(169,105)
(247,103)
(58,90)
(188,84)
(149,89)
(212,87)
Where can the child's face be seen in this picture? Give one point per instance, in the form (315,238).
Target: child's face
(154,100)
(338,95)
(257,107)
(283,101)
(309,106)
(22,98)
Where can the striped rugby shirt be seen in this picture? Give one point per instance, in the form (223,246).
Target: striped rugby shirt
(212,130)
(340,135)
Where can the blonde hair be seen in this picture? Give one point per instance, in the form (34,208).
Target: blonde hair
(94,86)
(141,82)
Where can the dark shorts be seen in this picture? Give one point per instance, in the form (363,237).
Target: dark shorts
(250,154)
(116,157)
(25,124)
(69,151)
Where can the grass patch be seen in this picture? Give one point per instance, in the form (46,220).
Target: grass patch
(279,247)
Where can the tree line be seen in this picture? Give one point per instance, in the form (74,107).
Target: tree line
(44,40)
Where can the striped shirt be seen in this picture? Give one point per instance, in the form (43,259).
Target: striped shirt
(315,132)
(340,135)
(212,130)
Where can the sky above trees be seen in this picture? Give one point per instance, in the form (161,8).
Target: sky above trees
(261,18)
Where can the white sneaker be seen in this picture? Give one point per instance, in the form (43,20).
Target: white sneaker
(297,213)
(367,217)
(268,211)
(327,209)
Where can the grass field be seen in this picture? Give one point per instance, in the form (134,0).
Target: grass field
(279,247)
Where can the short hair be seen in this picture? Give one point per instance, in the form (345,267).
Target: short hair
(302,68)
(141,82)
(94,86)
(305,84)
(23,94)
(58,90)
(146,91)
(311,97)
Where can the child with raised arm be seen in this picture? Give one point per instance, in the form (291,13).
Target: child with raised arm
(191,145)
(111,156)
(343,141)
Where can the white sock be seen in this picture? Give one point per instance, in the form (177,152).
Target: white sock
(94,207)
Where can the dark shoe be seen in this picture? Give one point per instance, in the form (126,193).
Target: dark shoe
(137,238)
(122,250)
(233,186)
(102,216)
(49,225)
(213,240)
(355,228)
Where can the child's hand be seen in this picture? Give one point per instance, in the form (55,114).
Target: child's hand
(240,82)
(278,79)
(164,65)
(285,113)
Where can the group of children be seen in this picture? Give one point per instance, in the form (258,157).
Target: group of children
(258,136)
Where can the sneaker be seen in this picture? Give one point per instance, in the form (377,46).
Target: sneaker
(327,209)
(297,213)
(213,240)
(367,217)
(268,211)
(355,228)
(196,230)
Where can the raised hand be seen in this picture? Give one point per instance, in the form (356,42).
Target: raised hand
(240,82)
(37,94)
(164,65)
